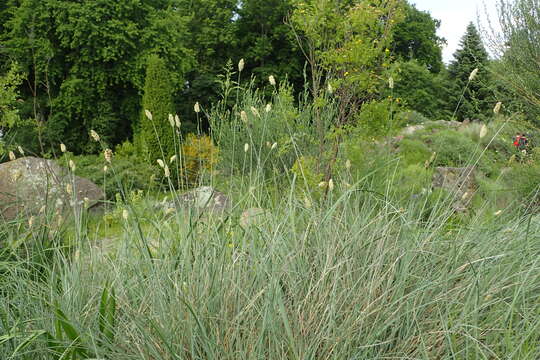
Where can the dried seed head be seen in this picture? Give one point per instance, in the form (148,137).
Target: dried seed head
(497,108)
(473,74)
(12,156)
(255,112)
(330,185)
(95,135)
(72,165)
(268,108)
(108,155)
(246,147)
(244,117)
(177,121)
(272,80)
(171,120)
(161,163)
(172,159)
(63,148)
(391,82)
(483,131)
(241,65)
(197,107)
(125,214)
(21,151)
(166,171)
(148,114)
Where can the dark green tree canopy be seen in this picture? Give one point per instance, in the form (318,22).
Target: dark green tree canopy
(477,100)
(416,38)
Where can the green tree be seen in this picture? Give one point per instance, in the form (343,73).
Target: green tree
(471,95)
(420,90)
(416,38)
(267,43)
(517,47)
(155,136)
(85,62)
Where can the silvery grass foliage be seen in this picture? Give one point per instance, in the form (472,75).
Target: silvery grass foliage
(356,278)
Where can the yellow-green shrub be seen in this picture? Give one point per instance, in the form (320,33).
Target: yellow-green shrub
(199,154)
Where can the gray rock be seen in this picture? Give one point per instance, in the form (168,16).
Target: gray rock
(28,184)
(458,181)
(204,199)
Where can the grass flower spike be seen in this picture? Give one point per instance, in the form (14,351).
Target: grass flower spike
(63,148)
(272,80)
(108,155)
(12,156)
(95,135)
(241,65)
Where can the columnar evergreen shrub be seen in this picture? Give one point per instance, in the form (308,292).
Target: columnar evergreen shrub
(155,137)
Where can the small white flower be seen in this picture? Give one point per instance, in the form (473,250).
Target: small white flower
(272,80)
(197,107)
(268,108)
(63,148)
(161,163)
(246,147)
(241,65)
(148,114)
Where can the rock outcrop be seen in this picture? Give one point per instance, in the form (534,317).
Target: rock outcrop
(29,184)
(458,181)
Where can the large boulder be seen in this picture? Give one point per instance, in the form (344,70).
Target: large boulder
(28,184)
(458,181)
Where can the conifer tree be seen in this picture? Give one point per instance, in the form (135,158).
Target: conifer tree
(471,94)
(155,136)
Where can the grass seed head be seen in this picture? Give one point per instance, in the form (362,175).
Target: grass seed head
(391,82)
(255,112)
(197,107)
(241,65)
(272,80)
(95,135)
(497,108)
(171,120)
(246,147)
(72,165)
(160,163)
(21,151)
(177,121)
(12,156)
(244,117)
(268,108)
(473,74)
(63,148)
(148,114)
(108,155)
